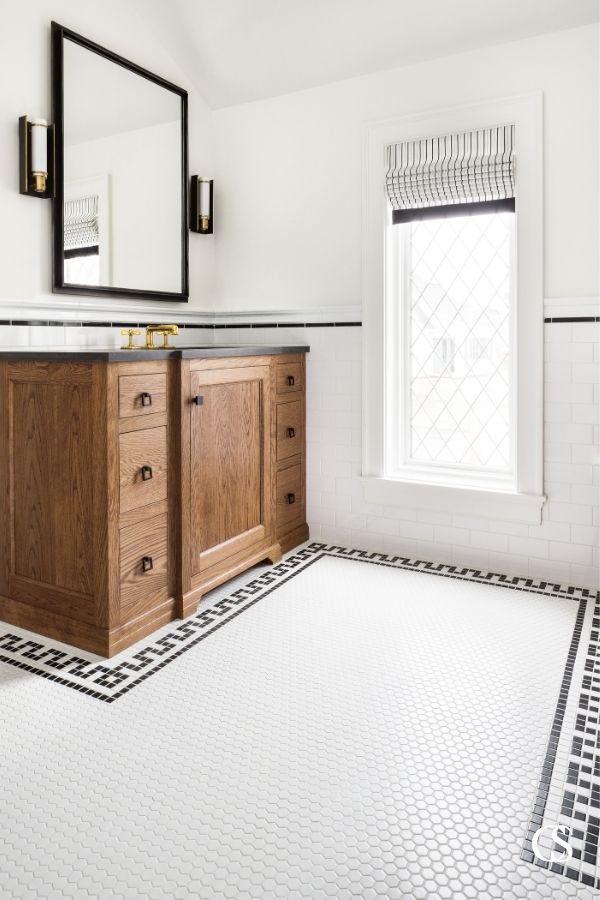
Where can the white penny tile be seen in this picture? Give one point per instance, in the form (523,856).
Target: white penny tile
(342,725)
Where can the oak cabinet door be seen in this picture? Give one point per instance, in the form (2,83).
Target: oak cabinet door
(230,463)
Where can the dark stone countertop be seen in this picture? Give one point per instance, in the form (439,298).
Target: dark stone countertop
(115,354)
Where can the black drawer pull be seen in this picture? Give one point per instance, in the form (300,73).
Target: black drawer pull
(147,563)
(198,400)
(291,432)
(146,398)
(291,498)
(291,380)
(146,473)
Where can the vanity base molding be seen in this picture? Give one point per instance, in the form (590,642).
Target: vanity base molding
(232,567)
(128,490)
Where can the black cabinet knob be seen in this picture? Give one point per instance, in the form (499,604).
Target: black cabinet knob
(291,380)
(147,563)
(198,400)
(146,473)
(291,498)
(291,432)
(146,398)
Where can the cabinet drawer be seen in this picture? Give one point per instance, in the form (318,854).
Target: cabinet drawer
(143,565)
(142,395)
(143,467)
(290,429)
(290,499)
(290,378)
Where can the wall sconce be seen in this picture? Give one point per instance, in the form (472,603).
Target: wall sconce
(201,205)
(36,157)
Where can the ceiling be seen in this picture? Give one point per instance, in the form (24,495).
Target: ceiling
(236,51)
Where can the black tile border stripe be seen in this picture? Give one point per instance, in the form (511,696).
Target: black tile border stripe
(155,654)
(554,320)
(67,323)
(215,326)
(549,762)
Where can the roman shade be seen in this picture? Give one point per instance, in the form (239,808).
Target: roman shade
(81,223)
(461,173)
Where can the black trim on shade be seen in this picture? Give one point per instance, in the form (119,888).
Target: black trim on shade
(59,35)
(82,251)
(450,210)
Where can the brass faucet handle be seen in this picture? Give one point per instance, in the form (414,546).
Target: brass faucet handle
(166,331)
(130,333)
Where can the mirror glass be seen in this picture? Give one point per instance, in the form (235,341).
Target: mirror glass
(123,179)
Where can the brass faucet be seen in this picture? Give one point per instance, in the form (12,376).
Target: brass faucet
(165,330)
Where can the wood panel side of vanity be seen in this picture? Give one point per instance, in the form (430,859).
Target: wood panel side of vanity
(55,465)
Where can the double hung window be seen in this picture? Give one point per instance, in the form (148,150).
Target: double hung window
(453,310)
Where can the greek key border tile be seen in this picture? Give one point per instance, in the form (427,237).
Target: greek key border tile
(109,680)
(578,782)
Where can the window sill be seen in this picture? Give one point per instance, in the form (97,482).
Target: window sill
(503,505)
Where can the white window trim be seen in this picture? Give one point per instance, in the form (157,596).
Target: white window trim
(524,504)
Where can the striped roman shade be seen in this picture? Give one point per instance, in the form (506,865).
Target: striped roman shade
(474,167)
(81,223)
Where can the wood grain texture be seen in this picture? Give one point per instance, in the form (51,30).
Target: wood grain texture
(105,470)
(73,604)
(227,568)
(289,515)
(54,625)
(289,370)
(141,591)
(5,467)
(138,423)
(227,450)
(142,367)
(140,514)
(75,524)
(180,543)
(52,438)
(139,627)
(205,364)
(50,372)
(138,449)
(290,429)
(131,389)
(291,539)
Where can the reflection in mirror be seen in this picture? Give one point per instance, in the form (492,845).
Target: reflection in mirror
(123,200)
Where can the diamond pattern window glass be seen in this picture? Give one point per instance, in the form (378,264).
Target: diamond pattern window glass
(457,316)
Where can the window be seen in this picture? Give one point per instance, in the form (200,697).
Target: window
(451,410)
(82,241)
(82,266)
(453,310)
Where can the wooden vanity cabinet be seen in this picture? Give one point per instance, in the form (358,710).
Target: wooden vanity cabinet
(130,489)
(289,442)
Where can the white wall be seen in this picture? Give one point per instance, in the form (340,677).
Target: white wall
(289,236)
(289,170)
(144,187)
(25,222)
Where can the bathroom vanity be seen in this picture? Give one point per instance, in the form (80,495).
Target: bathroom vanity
(133,482)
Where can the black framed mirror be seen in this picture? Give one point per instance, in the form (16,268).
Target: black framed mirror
(120,209)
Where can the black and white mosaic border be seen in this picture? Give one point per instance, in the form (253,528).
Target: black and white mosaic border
(577,784)
(108,680)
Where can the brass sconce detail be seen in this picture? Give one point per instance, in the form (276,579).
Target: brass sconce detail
(36,158)
(201,205)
